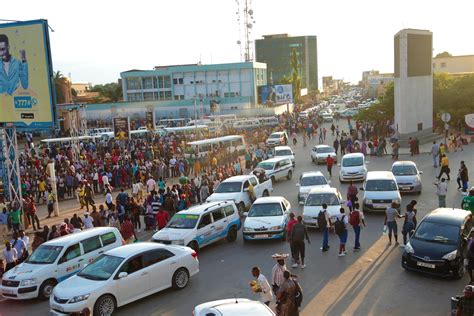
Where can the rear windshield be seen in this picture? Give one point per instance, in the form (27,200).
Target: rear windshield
(320,199)
(404,170)
(307,181)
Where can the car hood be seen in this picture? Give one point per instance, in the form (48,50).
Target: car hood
(75,286)
(325,155)
(306,189)
(381,195)
(223,197)
(266,221)
(353,169)
(292,157)
(313,211)
(406,179)
(433,250)
(172,234)
(25,271)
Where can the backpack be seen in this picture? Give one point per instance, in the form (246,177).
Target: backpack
(354,218)
(322,222)
(339,225)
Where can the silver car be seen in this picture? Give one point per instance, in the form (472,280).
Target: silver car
(408,176)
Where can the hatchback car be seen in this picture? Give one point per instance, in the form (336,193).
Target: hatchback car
(277,139)
(353,167)
(320,153)
(233,307)
(123,275)
(308,181)
(266,219)
(438,245)
(380,191)
(314,204)
(408,176)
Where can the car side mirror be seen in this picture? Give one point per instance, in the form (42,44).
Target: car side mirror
(420,172)
(297,184)
(245,214)
(329,181)
(362,189)
(338,164)
(122,275)
(412,233)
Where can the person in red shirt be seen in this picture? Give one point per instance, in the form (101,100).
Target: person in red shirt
(329,163)
(162,218)
(127,231)
(289,227)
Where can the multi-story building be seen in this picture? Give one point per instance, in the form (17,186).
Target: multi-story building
(454,65)
(276,51)
(81,88)
(375,82)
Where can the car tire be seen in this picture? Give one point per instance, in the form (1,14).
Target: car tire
(180,279)
(46,289)
(193,245)
(289,175)
(232,234)
(265,193)
(105,305)
(241,209)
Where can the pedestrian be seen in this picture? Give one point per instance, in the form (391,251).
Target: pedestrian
(324,223)
(441,192)
(294,136)
(444,167)
(3,225)
(76,222)
(329,163)
(37,241)
(470,255)
(263,287)
(409,223)
(109,200)
(340,228)
(352,194)
(277,271)
(32,214)
(468,201)
(96,217)
(127,231)
(20,246)
(289,296)
(391,215)
(2,268)
(356,218)
(162,218)
(435,153)
(298,234)
(463,177)
(88,221)
(11,256)
(15,216)
(88,196)
(289,226)
(51,200)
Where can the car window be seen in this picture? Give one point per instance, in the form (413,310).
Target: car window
(108,238)
(72,252)
(156,256)
(229,210)
(205,220)
(283,206)
(218,215)
(91,244)
(132,265)
(253,181)
(246,184)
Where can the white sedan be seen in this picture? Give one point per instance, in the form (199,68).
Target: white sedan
(233,307)
(123,275)
(320,153)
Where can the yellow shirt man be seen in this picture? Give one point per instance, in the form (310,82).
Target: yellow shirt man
(445,161)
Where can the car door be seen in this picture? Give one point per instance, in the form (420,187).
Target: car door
(205,230)
(162,263)
(136,283)
(219,223)
(91,248)
(256,187)
(70,262)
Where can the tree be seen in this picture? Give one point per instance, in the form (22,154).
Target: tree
(61,87)
(110,92)
(295,76)
(382,111)
(443,54)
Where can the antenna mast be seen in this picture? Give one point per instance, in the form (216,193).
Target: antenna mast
(248,22)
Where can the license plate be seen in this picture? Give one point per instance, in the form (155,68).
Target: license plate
(425,265)
(57,307)
(404,188)
(261,236)
(7,291)
(379,206)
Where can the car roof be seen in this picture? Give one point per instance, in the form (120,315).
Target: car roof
(323,190)
(238,178)
(282,148)
(73,238)
(322,146)
(353,155)
(275,159)
(199,209)
(135,248)
(235,306)
(312,174)
(453,216)
(380,175)
(404,163)
(279,133)
(269,199)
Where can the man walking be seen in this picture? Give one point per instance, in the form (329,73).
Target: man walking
(340,228)
(324,223)
(356,218)
(289,227)
(435,153)
(266,293)
(463,177)
(11,256)
(441,192)
(352,195)
(444,167)
(298,234)
(4,224)
(391,215)
(329,163)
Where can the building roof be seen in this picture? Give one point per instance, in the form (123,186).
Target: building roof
(458,56)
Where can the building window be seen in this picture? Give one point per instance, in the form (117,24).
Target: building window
(133,97)
(156,96)
(164,82)
(443,65)
(177,80)
(133,84)
(155,82)
(147,83)
(179,97)
(148,96)
(168,95)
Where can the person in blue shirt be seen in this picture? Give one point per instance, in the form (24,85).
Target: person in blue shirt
(13,72)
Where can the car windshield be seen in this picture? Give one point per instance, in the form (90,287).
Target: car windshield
(45,254)
(274,136)
(283,152)
(404,170)
(265,209)
(265,165)
(325,150)
(228,187)
(317,199)
(183,221)
(380,185)
(317,180)
(352,162)
(438,233)
(101,268)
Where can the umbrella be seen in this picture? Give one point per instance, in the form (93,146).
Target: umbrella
(183,180)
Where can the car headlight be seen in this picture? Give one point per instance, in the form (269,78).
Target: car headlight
(275,227)
(451,256)
(28,282)
(343,172)
(368,201)
(246,229)
(396,201)
(177,242)
(409,248)
(79,298)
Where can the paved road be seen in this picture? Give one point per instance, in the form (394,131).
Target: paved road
(367,282)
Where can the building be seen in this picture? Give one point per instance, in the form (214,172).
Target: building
(81,88)
(276,51)
(375,82)
(333,86)
(233,86)
(455,65)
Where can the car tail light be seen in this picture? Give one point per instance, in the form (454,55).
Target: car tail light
(194,254)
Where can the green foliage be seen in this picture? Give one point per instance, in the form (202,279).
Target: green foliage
(110,92)
(59,82)
(443,54)
(295,76)
(382,111)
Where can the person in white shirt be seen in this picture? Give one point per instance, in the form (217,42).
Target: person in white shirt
(87,221)
(266,293)
(25,238)
(441,192)
(11,256)
(277,271)
(105,181)
(150,185)
(108,199)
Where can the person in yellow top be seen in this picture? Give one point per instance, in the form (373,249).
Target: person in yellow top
(121,134)
(41,190)
(444,167)
(81,192)
(214,162)
(251,193)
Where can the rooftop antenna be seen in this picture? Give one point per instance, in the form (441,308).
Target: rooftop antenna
(239,40)
(248,22)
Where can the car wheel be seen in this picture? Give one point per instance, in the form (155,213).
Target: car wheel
(241,209)
(105,305)
(194,245)
(232,234)
(290,174)
(180,279)
(265,193)
(46,289)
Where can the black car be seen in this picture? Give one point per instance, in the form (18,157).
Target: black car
(438,245)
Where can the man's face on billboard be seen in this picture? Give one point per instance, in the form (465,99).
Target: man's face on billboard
(4,51)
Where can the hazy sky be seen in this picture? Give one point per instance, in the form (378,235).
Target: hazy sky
(95,40)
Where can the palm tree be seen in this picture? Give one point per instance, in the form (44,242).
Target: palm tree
(60,86)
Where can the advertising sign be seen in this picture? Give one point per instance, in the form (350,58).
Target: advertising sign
(150,120)
(214,106)
(469,119)
(26,97)
(121,128)
(277,94)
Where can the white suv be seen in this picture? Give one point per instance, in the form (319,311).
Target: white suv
(353,167)
(380,191)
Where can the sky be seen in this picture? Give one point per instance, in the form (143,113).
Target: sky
(94,41)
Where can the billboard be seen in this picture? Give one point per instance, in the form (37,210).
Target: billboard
(121,128)
(277,94)
(150,120)
(469,119)
(26,97)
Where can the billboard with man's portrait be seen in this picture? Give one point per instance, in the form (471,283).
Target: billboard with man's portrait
(121,128)
(26,97)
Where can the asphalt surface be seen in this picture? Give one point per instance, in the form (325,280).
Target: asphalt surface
(368,282)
